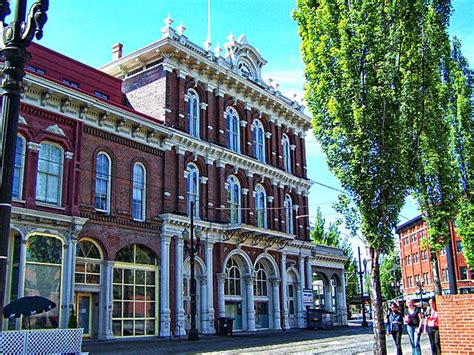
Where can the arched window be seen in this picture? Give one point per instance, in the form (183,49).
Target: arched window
(258,141)
(233,200)
(193,190)
(102,182)
(232,129)
(245,70)
(260,207)
(50,172)
(18,170)
(289,215)
(193,113)
(286,153)
(232,281)
(43,275)
(88,259)
(138,195)
(261,281)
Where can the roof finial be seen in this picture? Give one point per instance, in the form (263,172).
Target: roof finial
(218,50)
(208,43)
(167,31)
(168,21)
(181,28)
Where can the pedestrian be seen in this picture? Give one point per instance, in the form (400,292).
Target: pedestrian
(395,326)
(413,322)
(431,327)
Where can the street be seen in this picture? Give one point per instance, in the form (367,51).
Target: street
(343,340)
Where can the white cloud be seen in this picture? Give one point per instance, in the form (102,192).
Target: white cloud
(313,148)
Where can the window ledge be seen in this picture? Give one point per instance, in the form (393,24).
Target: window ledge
(48,205)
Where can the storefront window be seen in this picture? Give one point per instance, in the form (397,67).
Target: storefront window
(318,290)
(43,277)
(134,292)
(88,260)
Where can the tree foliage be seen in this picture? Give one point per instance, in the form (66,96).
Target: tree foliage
(390,274)
(365,66)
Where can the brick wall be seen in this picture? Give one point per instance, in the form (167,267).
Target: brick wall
(456,316)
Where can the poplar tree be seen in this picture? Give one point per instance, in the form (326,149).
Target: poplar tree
(360,57)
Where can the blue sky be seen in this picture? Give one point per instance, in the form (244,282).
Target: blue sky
(86,30)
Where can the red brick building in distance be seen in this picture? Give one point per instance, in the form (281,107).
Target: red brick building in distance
(416,265)
(109,163)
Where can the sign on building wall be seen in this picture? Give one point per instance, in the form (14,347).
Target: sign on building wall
(308,297)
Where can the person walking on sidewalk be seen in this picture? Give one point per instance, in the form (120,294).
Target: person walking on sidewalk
(431,327)
(395,326)
(413,322)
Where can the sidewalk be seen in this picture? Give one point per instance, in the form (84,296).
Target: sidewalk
(343,340)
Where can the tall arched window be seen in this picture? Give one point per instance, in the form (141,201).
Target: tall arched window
(233,200)
(193,113)
(261,281)
(193,190)
(138,195)
(102,182)
(50,173)
(232,281)
(289,215)
(260,207)
(88,259)
(18,170)
(258,141)
(232,129)
(286,153)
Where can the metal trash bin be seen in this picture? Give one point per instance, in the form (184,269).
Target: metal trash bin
(225,326)
(319,319)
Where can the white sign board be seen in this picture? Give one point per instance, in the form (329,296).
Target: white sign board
(308,297)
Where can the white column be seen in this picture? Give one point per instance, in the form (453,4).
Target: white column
(309,274)
(301,310)
(165,312)
(276,304)
(180,316)
(21,276)
(67,296)
(250,303)
(204,306)
(284,288)
(210,285)
(343,305)
(220,294)
(105,301)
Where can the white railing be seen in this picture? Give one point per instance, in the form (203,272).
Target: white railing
(38,342)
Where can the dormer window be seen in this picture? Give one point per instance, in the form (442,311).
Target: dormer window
(245,70)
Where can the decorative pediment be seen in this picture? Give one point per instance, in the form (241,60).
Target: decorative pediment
(55,129)
(21,120)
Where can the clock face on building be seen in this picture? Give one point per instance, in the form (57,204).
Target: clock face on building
(245,70)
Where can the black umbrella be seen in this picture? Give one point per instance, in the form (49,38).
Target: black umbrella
(28,306)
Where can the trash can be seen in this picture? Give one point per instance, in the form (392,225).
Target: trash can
(225,326)
(319,319)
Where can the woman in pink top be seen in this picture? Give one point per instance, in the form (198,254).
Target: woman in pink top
(431,326)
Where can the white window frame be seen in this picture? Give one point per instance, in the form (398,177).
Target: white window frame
(108,179)
(286,153)
(142,190)
(260,206)
(48,174)
(20,168)
(290,228)
(258,141)
(232,129)
(234,199)
(193,120)
(192,190)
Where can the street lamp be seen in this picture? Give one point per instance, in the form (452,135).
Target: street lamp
(361,274)
(396,287)
(14,40)
(420,285)
(192,248)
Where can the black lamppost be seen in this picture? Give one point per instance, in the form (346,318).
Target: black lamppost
(14,40)
(361,274)
(192,248)
(420,286)
(396,287)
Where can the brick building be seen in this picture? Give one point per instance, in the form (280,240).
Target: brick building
(416,265)
(109,164)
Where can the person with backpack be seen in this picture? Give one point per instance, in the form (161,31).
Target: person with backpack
(413,321)
(395,326)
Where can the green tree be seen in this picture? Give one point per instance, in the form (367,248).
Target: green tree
(390,274)
(359,59)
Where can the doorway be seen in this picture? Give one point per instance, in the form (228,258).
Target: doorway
(84,312)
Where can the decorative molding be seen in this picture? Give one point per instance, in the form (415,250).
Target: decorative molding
(55,129)
(245,191)
(68,155)
(203,106)
(243,123)
(22,121)
(268,135)
(292,146)
(203,180)
(33,146)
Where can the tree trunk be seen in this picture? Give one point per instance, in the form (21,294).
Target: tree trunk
(437,282)
(380,345)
